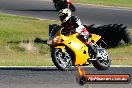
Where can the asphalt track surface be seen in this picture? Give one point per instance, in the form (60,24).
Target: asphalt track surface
(87,14)
(53,78)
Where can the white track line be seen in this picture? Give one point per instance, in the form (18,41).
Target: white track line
(26,16)
(54,66)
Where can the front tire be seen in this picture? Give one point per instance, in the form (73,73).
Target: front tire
(61,60)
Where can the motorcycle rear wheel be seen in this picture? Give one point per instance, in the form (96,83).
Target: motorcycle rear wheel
(103,62)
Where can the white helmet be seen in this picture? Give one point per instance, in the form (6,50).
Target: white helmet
(64,14)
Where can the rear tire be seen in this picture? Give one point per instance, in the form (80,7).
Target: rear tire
(102,63)
(100,66)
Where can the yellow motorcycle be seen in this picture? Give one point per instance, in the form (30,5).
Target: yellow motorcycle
(68,50)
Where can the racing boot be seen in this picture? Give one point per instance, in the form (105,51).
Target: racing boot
(85,36)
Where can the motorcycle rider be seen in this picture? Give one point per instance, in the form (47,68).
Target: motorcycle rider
(71,22)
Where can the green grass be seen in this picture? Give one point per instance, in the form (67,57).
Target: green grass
(15,50)
(119,3)
(13,31)
(121,55)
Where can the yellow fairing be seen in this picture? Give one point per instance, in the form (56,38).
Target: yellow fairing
(95,38)
(61,47)
(78,47)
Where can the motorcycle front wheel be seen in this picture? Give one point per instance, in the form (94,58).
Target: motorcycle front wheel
(61,60)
